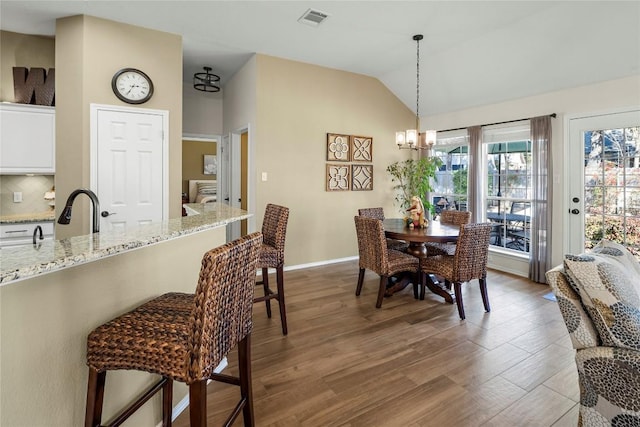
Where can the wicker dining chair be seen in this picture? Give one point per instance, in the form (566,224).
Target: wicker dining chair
(375,256)
(184,337)
(469,262)
(448,217)
(378,213)
(274,232)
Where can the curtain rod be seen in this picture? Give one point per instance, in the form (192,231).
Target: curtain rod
(553,115)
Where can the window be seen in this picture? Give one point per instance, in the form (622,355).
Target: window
(507,191)
(451,179)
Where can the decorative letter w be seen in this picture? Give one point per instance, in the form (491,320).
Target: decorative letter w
(34,86)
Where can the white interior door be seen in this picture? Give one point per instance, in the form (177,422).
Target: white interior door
(130,166)
(599,162)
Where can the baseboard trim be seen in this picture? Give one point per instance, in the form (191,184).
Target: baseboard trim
(315,264)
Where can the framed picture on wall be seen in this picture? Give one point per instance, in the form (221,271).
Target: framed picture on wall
(210,165)
(338,148)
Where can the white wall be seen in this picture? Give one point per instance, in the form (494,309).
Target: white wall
(201,111)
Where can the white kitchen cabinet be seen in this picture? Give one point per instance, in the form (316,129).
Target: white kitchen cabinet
(22,233)
(27,139)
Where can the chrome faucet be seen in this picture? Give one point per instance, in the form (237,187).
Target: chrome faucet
(65,216)
(35,232)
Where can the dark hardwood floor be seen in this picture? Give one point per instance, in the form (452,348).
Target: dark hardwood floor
(410,363)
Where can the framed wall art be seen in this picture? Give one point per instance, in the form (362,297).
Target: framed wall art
(361,177)
(210,165)
(338,147)
(361,148)
(338,177)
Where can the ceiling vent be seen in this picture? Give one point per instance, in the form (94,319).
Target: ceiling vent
(313,17)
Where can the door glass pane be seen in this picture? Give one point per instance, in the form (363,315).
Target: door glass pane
(612,190)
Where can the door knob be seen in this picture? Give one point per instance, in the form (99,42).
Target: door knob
(105,214)
(575,211)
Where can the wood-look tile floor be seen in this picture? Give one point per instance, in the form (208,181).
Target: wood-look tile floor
(410,363)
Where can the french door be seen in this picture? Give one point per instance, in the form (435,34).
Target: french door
(602,170)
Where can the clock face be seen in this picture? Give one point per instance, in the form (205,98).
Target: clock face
(132,86)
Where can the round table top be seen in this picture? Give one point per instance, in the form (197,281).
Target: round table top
(395,228)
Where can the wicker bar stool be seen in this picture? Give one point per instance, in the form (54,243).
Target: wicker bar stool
(274,232)
(183,337)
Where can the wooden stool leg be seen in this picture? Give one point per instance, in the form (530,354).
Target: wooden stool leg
(167,402)
(283,310)
(360,282)
(381,289)
(265,285)
(198,403)
(95,397)
(458,290)
(485,296)
(246,388)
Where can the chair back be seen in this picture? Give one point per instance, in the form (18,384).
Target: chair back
(472,252)
(274,228)
(223,304)
(455,217)
(372,244)
(377,213)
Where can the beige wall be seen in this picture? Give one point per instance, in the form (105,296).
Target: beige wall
(22,50)
(44,323)
(297,104)
(596,98)
(88,52)
(193,160)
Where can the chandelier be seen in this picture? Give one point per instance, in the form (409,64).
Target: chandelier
(412,139)
(207,81)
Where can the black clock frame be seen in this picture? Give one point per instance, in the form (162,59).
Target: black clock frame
(122,97)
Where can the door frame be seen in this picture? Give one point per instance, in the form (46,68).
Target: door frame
(234,156)
(94,109)
(572,146)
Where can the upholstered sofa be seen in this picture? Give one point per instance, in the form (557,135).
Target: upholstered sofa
(597,293)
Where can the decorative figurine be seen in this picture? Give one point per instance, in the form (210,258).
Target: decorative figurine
(416,212)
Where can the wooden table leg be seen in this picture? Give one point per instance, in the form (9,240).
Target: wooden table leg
(438,288)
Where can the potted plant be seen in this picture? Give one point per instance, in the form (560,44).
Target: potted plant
(414,178)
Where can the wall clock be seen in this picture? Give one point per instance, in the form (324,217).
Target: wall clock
(132,86)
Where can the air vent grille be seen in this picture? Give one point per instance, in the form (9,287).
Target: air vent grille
(313,17)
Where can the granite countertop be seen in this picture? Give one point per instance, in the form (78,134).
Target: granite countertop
(26,218)
(23,262)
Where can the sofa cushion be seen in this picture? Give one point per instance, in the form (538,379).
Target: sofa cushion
(621,254)
(609,297)
(581,330)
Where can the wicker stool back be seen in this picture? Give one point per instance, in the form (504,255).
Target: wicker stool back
(183,337)
(274,232)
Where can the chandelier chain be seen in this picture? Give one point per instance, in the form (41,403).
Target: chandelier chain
(418,85)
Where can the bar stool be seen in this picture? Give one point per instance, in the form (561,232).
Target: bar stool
(183,337)
(274,231)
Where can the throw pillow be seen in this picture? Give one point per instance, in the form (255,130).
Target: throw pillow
(621,254)
(609,297)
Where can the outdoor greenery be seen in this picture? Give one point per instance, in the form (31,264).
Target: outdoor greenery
(414,178)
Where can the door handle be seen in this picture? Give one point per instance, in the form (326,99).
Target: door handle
(226,199)
(574,211)
(105,214)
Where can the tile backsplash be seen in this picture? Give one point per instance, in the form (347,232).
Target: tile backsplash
(32,188)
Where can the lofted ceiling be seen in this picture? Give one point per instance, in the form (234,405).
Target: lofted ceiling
(473,52)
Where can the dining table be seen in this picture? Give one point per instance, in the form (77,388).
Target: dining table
(417,237)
